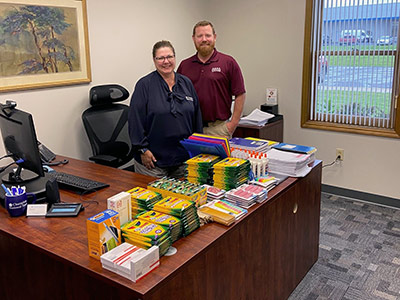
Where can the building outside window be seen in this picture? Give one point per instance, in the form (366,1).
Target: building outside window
(351,66)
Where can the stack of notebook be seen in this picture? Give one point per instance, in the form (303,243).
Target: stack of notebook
(199,168)
(231,172)
(201,143)
(185,210)
(142,200)
(145,234)
(169,222)
(246,195)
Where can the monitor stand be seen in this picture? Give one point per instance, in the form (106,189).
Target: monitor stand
(34,184)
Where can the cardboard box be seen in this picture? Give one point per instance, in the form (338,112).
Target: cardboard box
(131,261)
(104,232)
(121,203)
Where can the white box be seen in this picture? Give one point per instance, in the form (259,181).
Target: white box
(121,203)
(272,96)
(131,261)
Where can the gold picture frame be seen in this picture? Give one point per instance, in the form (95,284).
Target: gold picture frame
(43,43)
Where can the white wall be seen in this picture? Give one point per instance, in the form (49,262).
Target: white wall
(121,37)
(266,38)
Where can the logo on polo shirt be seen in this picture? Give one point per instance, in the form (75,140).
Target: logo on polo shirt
(189,98)
(216,69)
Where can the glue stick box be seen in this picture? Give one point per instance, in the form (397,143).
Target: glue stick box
(104,232)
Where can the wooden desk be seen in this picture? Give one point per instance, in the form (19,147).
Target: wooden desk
(271,131)
(262,256)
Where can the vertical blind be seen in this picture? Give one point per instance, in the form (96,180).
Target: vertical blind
(354,62)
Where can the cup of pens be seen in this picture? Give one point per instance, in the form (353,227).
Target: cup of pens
(16,200)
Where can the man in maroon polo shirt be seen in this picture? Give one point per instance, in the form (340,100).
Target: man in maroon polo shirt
(216,77)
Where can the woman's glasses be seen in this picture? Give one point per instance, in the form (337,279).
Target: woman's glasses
(162,58)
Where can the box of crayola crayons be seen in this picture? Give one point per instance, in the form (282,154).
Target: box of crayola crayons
(104,232)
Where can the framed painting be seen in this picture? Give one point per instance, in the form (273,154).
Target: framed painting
(43,43)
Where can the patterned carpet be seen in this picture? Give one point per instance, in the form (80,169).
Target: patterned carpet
(359,253)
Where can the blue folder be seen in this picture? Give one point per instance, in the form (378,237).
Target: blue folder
(195,147)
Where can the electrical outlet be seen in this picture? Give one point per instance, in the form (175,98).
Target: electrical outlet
(340,153)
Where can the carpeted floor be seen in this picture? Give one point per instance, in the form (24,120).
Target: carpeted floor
(359,253)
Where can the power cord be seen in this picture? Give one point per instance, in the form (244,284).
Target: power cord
(332,163)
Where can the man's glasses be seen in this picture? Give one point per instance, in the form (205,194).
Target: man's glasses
(162,58)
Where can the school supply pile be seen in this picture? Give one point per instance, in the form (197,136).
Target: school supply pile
(169,222)
(227,207)
(143,200)
(130,261)
(180,189)
(247,195)
(185,210)
(289,163)
(199,168)
(145,234)
(231,172)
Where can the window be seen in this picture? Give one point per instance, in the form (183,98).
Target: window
(351,66)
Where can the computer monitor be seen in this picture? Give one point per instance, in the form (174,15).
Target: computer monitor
(20,142)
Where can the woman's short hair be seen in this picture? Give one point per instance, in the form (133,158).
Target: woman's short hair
(162,44)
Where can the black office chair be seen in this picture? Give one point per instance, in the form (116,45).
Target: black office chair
(106,125)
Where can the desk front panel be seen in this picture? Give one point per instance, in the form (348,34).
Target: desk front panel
(269,250)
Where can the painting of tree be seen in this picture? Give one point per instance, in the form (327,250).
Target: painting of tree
(39,40)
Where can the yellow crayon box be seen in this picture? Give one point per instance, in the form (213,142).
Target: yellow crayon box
(104,232)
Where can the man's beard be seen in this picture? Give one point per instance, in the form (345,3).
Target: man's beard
(205,50)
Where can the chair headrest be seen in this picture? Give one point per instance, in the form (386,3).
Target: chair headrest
(109,93)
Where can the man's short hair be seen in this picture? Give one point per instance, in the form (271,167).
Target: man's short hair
(201,24)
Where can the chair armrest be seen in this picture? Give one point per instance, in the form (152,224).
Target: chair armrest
(104,159)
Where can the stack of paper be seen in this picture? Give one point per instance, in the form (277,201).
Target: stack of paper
(185,210)
(256,118)
(145,234)
(131,261)
(199,168)
(289,163)
(231,172)
(169,222)
(142,200)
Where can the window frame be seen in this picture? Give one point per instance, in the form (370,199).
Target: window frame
(306,121)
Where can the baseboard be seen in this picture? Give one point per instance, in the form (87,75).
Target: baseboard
(367,197)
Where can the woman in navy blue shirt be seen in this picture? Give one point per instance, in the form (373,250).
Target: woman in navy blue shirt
(164,110)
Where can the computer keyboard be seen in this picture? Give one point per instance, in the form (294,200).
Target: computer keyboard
(77,183)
